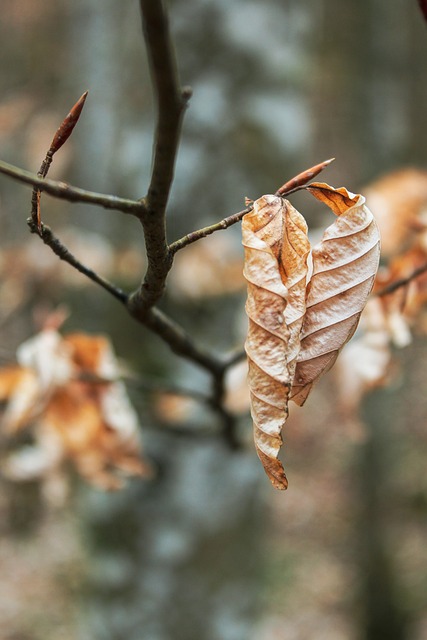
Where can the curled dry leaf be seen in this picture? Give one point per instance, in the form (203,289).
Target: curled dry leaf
(345,263)
(296,329)
(276,250)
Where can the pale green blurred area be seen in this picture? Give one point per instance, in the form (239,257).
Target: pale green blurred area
(209,551)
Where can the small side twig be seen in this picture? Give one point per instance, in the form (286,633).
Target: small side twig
(43,231)
(62,134)
(297,183)
(65,191)
(206,231)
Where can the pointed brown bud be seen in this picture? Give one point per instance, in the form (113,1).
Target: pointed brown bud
(302,178)
(67,125)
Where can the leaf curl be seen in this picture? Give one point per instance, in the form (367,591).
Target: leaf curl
(345,263)
(297,327)
(276,250)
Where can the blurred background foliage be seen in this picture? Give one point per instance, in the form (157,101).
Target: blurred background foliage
(208,550)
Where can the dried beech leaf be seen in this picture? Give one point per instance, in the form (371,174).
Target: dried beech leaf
(276,250)
(344,266)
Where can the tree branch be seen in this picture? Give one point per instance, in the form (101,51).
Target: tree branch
(292,186)
(206,231)
(171,103)
(65,191)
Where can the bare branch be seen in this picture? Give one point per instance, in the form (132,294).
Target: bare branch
(65,191)
(297,183)
(171,104)
(206,231)
(61,136)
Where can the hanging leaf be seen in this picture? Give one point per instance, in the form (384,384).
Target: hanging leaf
(296,329)
(344,266)
(276,250)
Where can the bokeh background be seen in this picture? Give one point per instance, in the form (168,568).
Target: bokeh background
(208,550)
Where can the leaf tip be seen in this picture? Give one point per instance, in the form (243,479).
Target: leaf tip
(274,470)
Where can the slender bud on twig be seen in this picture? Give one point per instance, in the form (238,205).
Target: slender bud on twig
(67,125)
(302,178)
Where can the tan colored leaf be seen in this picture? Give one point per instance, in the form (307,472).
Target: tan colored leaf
(276,250)
(344,266)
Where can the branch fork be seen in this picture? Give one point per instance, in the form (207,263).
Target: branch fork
(172,101)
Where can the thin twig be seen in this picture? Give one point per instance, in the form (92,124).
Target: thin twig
(298,183)
(62,134)
(402,282)
(65,191)
(206,231)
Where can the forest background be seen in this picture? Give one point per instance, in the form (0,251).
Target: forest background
(208,550)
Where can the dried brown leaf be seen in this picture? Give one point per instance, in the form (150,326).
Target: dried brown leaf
(344,266)
(296,329)
(276,250)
